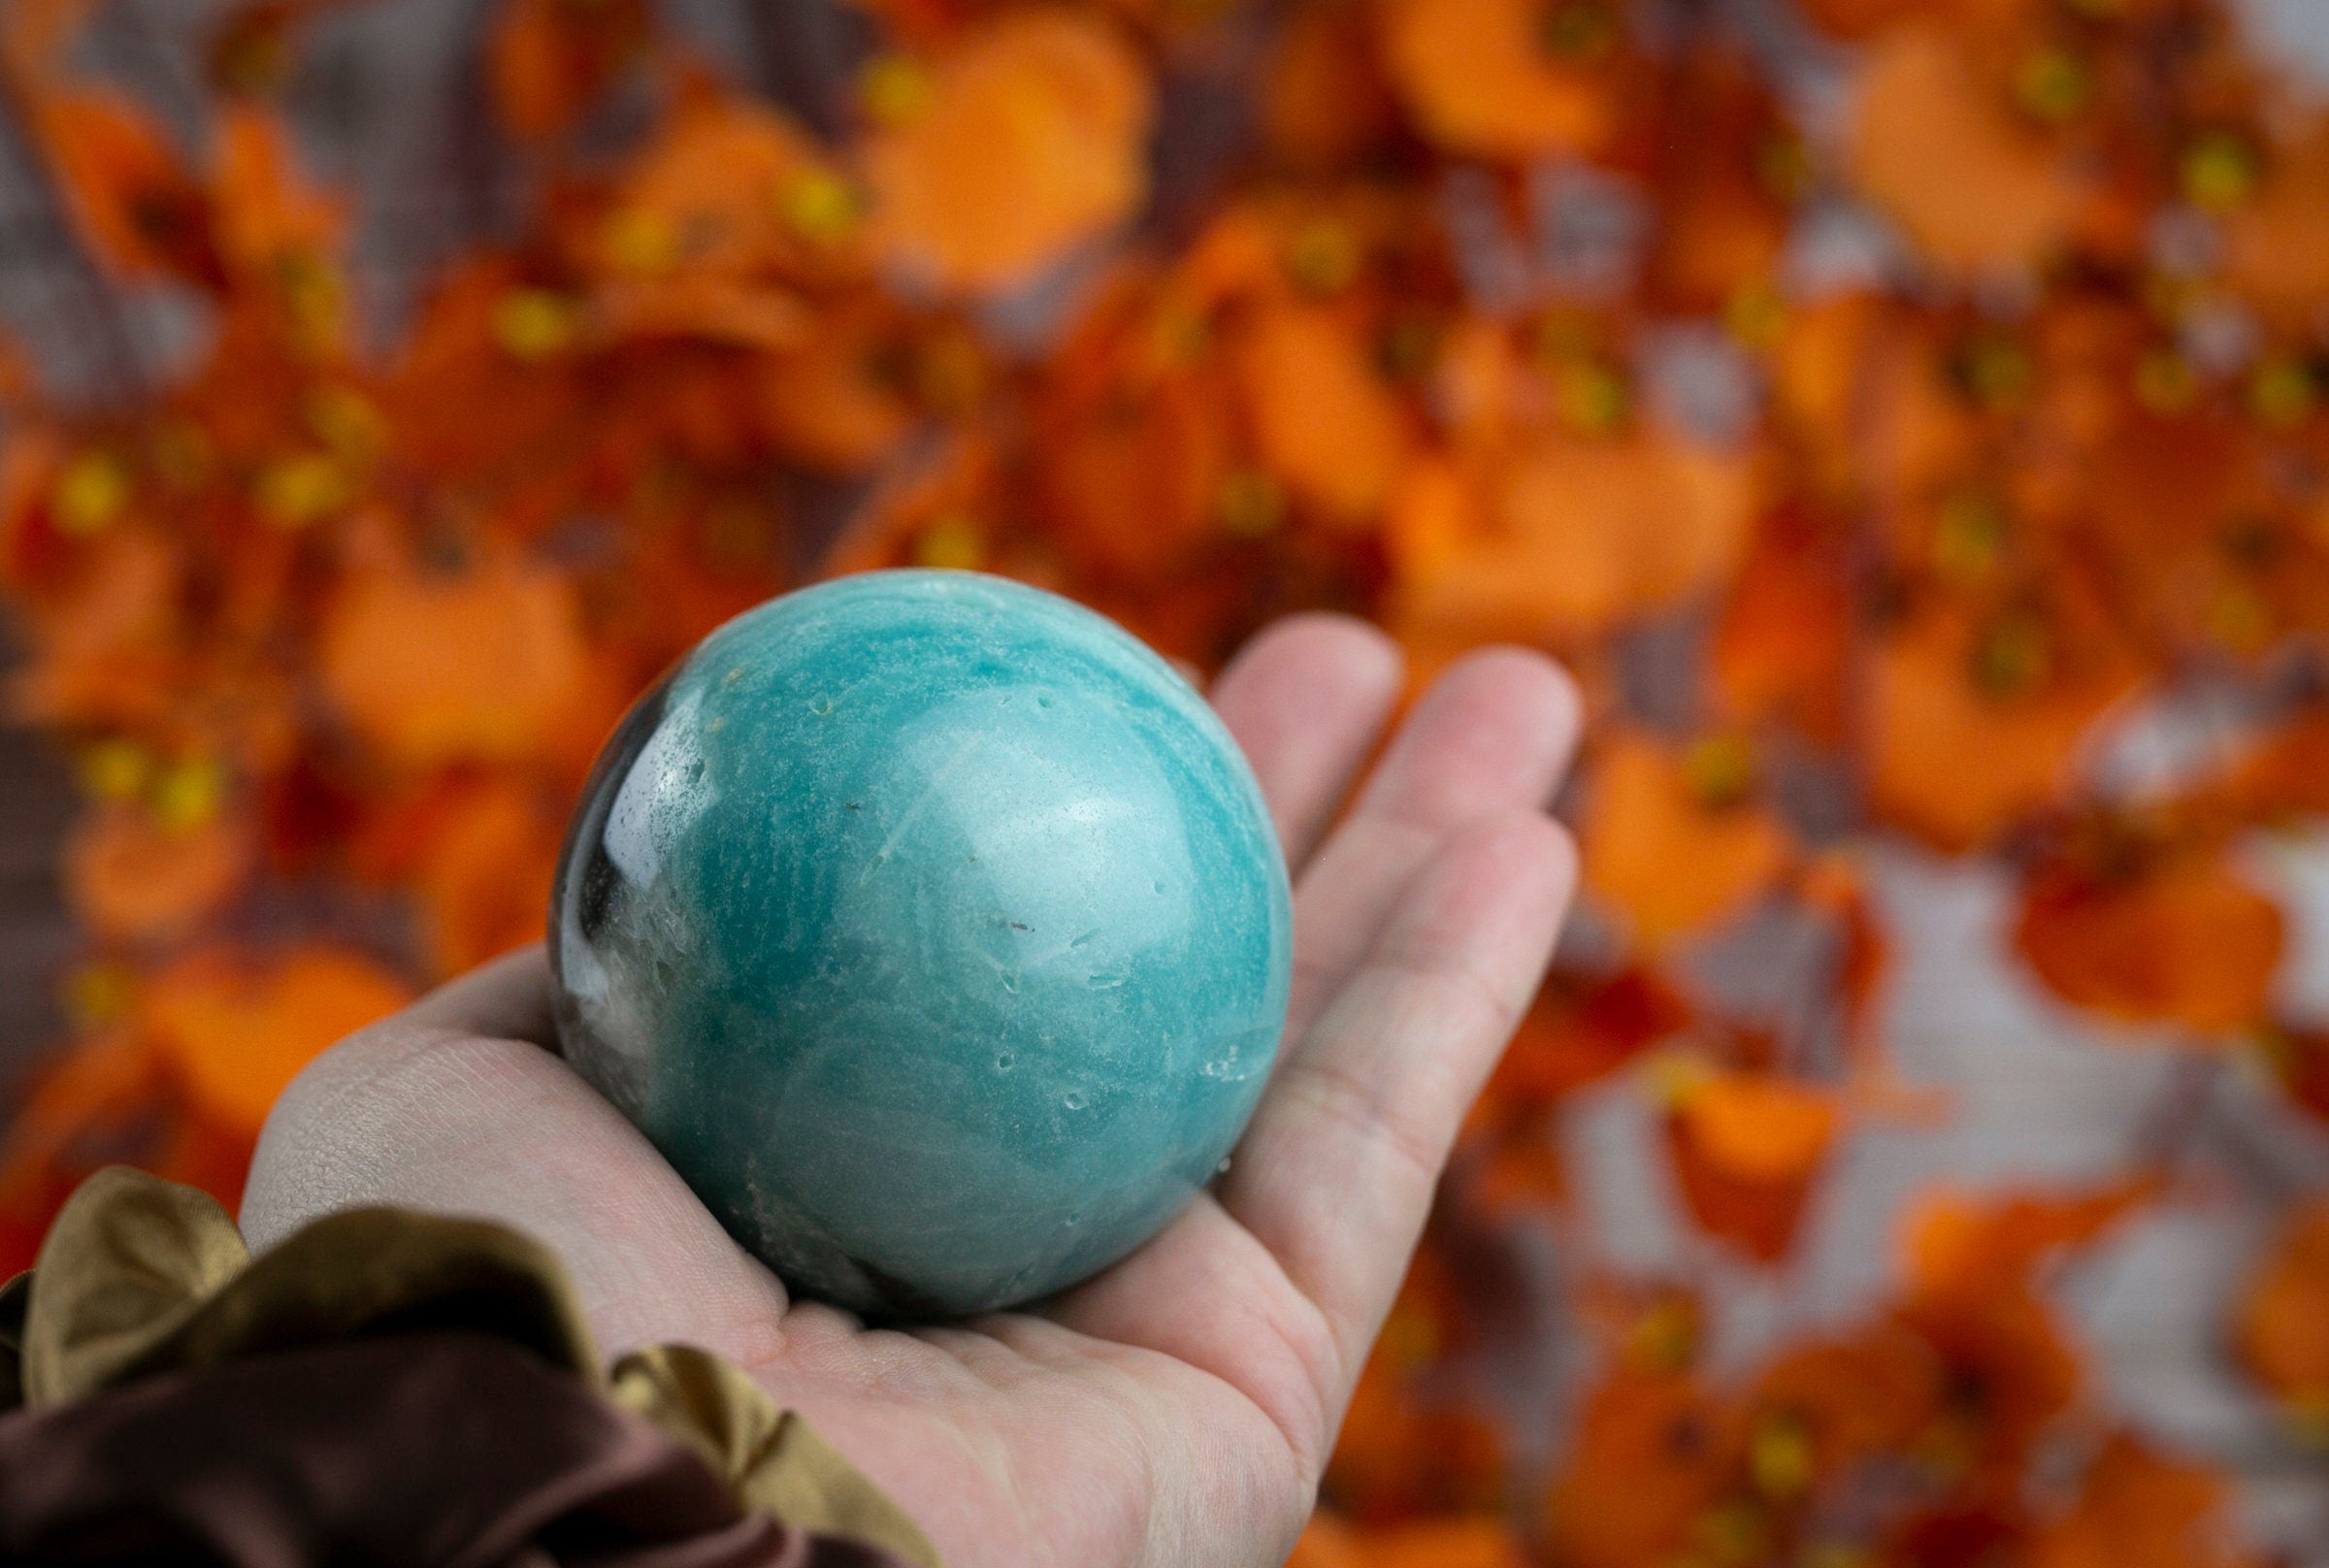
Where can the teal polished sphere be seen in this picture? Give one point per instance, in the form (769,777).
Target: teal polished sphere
(934,930)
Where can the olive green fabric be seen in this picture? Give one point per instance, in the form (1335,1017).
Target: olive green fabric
(128,1262)
(139,1277)
(776,1461)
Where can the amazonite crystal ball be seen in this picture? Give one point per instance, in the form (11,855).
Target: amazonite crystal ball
(934,930)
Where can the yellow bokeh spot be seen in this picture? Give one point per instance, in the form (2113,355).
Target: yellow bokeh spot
(99,994)
(1754,314)
(2239,618)
(188,793)
(642,242)
(1251,504)
(951,543)
(1577,32)
(253,60)
(1410,1339)
(1997,372)
(2283,392)
(1591,396)
(1733,1535)
(2273,1050)
(1408,347)
(1969,537)
(1673,1078)
(115,769)
(535,323)
(2013,656)
(2218,172)
(1719,770)
(1180,335)
(2307,1419)
(92,494)
(1951,1445)
(1780,1456)
(1323,258)
(303,490)
(1782,164)
(2053,85)
(896,89)
(819,205)
(1665,1337)
(314,296)
(348,422)
(1836,1555)
(183,456)
(2165,382)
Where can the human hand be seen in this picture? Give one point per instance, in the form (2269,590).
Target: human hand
(1176,1410)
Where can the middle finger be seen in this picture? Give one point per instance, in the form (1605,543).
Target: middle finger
(1492,735)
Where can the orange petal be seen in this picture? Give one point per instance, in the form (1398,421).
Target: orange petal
(1444,1543)
(483,663)
(1779,651)
(1580,1032)
(1134,495)
(1324,420)
(1757,1128)
(1932,144)
(36,29)
(1033,141)
(2282,1332)
(1957,1241)
(1746,1148)
(91,1100)
(1328,1542)
(1651,1452)
(2277,244)
(550,59)
(91,1081)
(1856,1396)
(1668,857)
(235,1032)
(484,878)
(140,204)
(728,188)
(826,403)
(1722,184)
(2185,942)
(1479,77)
(1956,760)
(2137,1509)
(267,211)
(130,878)
(1325,101)
(1550,546)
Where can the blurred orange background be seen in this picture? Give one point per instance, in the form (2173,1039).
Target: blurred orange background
(1910,418)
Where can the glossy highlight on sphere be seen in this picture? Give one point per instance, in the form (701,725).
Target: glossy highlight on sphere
(934,930)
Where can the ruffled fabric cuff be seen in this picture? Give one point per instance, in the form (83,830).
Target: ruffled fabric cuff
(387,1386)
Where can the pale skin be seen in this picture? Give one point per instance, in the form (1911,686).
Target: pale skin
(1176,1411)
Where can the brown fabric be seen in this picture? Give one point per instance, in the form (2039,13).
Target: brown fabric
(418,1451)
(140,1280)
(138,1276)
(773,1460)
(15,1296)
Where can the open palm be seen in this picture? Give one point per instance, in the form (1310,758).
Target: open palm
(1177,1409)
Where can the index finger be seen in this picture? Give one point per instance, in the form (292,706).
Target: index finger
(1307,700)
(507,998)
